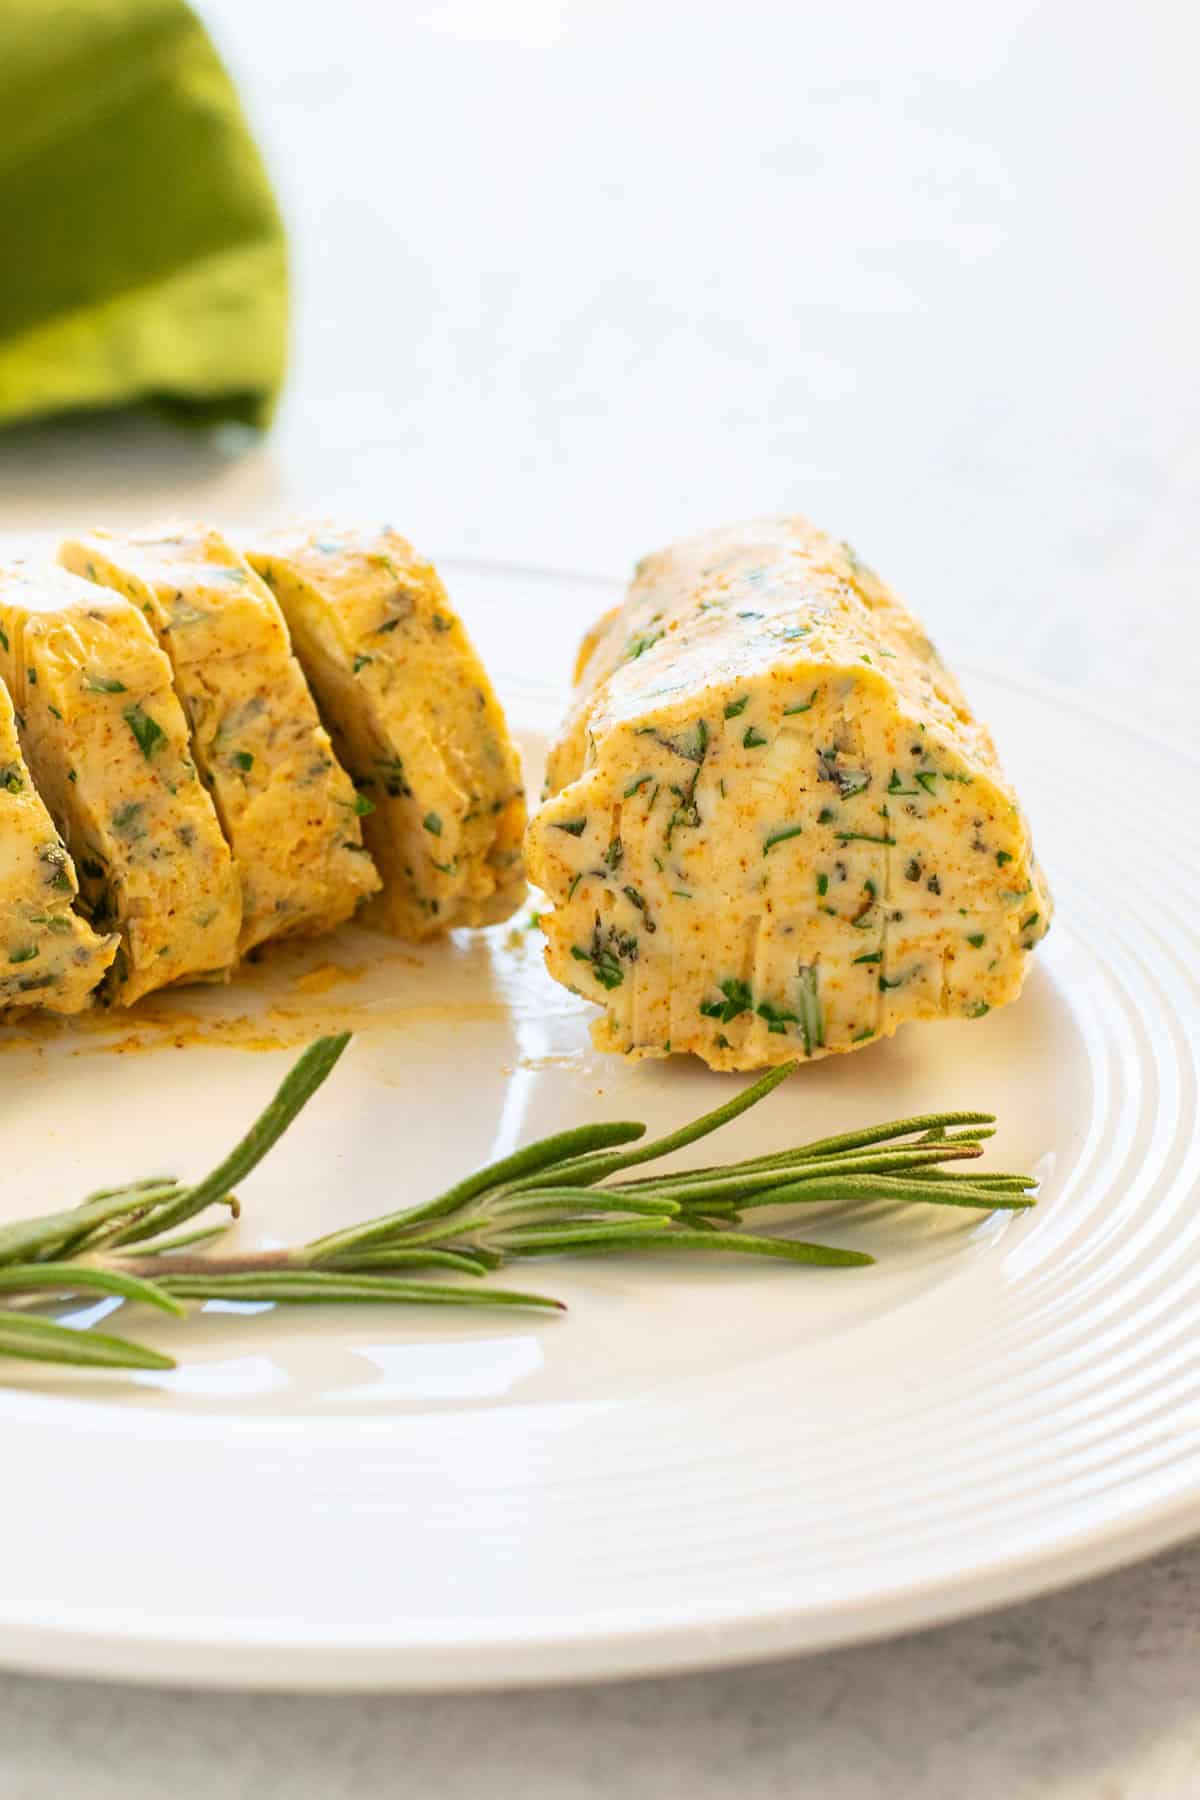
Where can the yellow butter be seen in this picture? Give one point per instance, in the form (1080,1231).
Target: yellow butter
(288,809)
(107,744)
(413,717)
(49,956)
(774,827)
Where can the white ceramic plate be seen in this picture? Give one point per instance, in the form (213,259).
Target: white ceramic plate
(698,1464)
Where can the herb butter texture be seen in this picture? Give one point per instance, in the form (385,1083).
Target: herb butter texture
(288,809)
(107,745)
(414,720)
(49,956)
(815,840)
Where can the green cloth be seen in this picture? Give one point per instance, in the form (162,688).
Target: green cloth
(141,249)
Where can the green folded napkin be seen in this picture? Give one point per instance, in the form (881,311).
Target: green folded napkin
(144,256)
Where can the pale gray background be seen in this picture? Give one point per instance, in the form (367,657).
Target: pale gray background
(574,279)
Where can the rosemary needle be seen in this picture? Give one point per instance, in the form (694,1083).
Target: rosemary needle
(79,1278)
(587,1170)
(297,1088)
(328,1285)
(42,1340)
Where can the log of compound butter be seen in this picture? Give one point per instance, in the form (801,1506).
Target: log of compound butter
(772,825)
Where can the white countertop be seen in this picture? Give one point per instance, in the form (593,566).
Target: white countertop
(1087,1696)
(574,279)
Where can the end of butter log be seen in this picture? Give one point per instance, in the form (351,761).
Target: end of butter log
(772,825)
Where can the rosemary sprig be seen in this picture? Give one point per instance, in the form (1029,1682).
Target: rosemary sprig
(563,1195)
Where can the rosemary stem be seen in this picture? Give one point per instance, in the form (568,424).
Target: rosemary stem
(166,1265)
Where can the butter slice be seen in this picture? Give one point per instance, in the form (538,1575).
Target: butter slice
(107,744)
(413,717)
(49,956)
(289,811)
